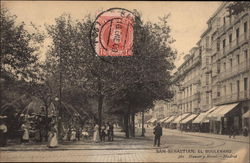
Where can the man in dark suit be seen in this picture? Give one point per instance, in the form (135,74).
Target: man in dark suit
(158,134)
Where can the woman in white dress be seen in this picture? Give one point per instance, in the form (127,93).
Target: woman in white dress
(53,143)
(96,137)
(25,129)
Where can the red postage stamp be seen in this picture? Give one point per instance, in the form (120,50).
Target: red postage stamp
(114,29)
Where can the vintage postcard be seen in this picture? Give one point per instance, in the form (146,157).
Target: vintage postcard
(125,81)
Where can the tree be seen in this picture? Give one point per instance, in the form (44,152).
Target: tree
(131,82)
(237,7)
(18,47)
(145,76)
(18,56)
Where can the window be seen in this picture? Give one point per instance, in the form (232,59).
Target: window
(237,33)
(225,90)
(224,20)
(245,27)
(238,87)
(245,84)
(218,67)
(191,89)
(238,59)
(224,43)
(246,54)
(218,45)
(218,94)
(231,87)
(207,42)
(230,38)
(231,63)
(224,66)
(207,79)
(207,60)
(207,98)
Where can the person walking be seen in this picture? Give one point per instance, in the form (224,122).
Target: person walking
(96,136)
(232,132)
(3,133)
(53,143)
(73,134)
(158,134)
(25,129)
(103,132)
(111,132)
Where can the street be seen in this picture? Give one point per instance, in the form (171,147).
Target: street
(176,147)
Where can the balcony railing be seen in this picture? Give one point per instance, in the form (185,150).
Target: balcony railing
(234,97)
(238,69)
(194,97)
(235,43)
(224,28)
(194,80)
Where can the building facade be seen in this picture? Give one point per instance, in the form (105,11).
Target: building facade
(187,97)
(216,73)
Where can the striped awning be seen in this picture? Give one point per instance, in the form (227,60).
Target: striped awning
(188,118)
(181,117)
(170,119)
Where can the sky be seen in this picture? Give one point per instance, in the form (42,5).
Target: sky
(188,20)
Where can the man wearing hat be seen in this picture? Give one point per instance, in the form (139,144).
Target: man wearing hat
(158,134)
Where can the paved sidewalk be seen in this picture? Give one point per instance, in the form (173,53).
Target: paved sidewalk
(119,143)
(238,138)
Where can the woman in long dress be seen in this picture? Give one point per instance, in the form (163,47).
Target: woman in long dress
(96,137)
(53,143)
(25,129)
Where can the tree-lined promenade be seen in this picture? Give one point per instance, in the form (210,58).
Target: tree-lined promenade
(80,86)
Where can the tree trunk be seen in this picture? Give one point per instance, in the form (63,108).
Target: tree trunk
(46,122)
(100,103)
(126,126)
(142,126)
(133,124)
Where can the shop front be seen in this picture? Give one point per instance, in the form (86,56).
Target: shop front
(226,118)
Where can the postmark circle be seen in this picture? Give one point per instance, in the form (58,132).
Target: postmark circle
(112,33)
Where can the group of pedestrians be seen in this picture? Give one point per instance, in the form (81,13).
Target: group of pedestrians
(105,131)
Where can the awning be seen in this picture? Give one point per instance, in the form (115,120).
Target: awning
(221,111)
(152,120)
(211,110)
(169,119)
(188,118)
(163,119)
(246,115)
(181,117)
(199,118)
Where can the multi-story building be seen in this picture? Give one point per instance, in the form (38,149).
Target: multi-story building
(188,76)
(217,72)
(161,109)
(230,62)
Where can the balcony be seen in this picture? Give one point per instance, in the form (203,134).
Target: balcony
(194,80)
(208,69)
(243,38)
(236,70)
(194,97)
(207,88)
(234,97)
(224,28)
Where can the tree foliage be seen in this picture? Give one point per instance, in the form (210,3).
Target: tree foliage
(18,47)
(237,7)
